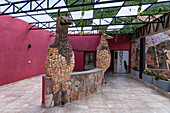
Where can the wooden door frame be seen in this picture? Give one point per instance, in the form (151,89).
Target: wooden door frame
(113,61)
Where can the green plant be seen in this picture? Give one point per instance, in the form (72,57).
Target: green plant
(161,77)
(146,72)
(124,36)
(149,72)
(81,18)
(139,9)
(152,73)
(116,38)
(136,68)
(157,77)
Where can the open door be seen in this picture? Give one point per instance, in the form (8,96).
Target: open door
(121,61)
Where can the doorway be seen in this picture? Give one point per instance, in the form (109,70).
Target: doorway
(120,61)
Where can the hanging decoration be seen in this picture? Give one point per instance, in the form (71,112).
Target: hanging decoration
(139,9)
(81,19)
(116,38)
(124,36)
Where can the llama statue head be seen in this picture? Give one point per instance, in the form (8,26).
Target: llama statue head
(64,21)
(104,39)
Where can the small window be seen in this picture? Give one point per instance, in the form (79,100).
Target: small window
(89,60)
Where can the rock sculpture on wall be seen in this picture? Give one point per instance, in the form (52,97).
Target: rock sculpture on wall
(156,54)
(60,60)
(148,58)
(103,58)
(168,55)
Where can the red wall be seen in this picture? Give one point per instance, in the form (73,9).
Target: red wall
(121,44)
(90,43)
(14,52)
(79,60)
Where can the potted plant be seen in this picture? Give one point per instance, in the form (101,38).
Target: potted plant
(162,82)
(135,71)
(148,76)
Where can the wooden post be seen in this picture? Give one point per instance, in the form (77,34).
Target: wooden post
(142,57)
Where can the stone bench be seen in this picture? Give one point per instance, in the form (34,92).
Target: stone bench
(81,84)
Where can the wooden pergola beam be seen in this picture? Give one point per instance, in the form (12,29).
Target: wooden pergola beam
(160,24)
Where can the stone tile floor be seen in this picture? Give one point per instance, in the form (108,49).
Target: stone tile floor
(120,95)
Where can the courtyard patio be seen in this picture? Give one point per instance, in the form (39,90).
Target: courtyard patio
(85,56)
(121,94)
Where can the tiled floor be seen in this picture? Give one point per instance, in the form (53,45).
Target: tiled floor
(120,95)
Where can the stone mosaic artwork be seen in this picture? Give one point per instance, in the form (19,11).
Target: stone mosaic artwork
(135,53)
(157,51)
(160,53)
(103,58)
(60,61)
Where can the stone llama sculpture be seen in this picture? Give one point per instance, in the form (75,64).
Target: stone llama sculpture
(168,55)
(103,58)
(60,60)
